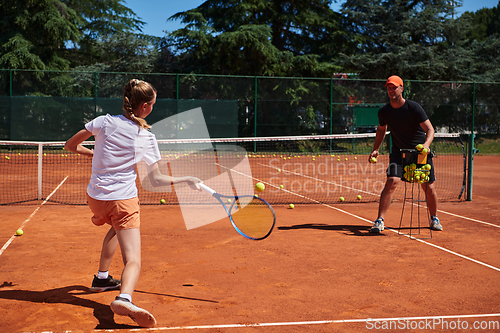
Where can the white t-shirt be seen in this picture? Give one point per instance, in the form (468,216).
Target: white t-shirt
(119,145)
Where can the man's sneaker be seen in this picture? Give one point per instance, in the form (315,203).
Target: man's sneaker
(435,224)
(123,307)
(105,284)
(378,226)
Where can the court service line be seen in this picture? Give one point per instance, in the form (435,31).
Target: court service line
(470,219)
(375,194)
(431,321)
(371,222)
(322,180)
(6,245)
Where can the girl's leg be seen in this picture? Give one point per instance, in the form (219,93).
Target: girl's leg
(109,245)
(130,245)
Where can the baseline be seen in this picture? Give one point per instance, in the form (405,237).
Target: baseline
(434,319)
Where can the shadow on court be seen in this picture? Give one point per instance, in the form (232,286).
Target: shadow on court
(66,295)
(351,230)
(177,296)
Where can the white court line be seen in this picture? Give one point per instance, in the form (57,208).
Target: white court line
(6,245)
(436,320)
(322,180)
(369,221)
(374,194)
(468,218)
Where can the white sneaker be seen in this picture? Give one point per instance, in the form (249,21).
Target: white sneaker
(378,226)
(435,224)
(123,307)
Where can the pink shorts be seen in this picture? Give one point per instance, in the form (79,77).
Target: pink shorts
(121,214)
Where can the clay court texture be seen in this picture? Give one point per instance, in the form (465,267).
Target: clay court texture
(319,271)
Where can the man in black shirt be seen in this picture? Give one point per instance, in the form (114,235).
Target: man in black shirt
(409,126)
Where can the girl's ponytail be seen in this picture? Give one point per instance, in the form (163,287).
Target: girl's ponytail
(136,93)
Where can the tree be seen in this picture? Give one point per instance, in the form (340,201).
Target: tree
(414,39)
(59,34)
(34,33)
(482,35)
(258,37)
(103,25)
(483,23)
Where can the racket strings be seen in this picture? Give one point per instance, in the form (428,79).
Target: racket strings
(255,219)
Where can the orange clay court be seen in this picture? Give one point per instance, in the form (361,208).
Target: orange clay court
(319,271)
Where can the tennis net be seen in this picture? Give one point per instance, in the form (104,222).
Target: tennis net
(294,169)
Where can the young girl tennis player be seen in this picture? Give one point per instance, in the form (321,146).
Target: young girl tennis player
(120,143)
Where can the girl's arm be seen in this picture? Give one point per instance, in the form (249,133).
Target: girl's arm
(158,179)
(74,143)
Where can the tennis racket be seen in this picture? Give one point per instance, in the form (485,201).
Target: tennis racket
(251,216)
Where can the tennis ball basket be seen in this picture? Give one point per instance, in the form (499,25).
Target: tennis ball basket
(415,166)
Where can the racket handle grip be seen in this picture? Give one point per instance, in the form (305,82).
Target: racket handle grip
(206,189)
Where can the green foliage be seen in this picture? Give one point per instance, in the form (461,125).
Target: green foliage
(257,37)
(59,34)
(34,33)
(416,40)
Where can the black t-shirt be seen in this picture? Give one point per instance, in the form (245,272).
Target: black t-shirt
(404,124)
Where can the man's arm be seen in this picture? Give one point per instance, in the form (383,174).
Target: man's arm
(379,138)
(429,133)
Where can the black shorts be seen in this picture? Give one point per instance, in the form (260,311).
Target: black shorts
(395,168)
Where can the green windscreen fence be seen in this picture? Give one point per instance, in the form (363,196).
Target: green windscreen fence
(365,117)
(33,118)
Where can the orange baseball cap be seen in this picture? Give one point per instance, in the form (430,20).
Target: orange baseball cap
(395,80)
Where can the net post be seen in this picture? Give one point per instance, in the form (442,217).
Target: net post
(470,162)
(471,146)
(255,112)
(40,154)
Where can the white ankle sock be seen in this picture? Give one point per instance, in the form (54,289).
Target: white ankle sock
(102,275)
(126,296)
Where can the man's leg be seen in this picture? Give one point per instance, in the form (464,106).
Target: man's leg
(386,196)
(431,197)
(385,201)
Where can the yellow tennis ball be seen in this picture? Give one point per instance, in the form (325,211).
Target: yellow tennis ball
(424,151)
(229,200)
(419,146)
(281,186)
(291,206)
(259,187)
(373,159)
(359,197)
(162,201)
(341,199)
(7,157)
(19,232)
